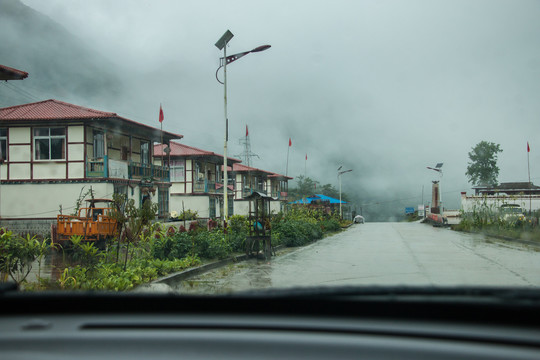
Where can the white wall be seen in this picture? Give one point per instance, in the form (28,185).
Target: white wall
(19,135)
(19,153)
(241,208)
(468,203)
(75,152)
(49,170)
(275,207)
(19,171)
(193,203)
(76,171)
(76,133)
(44,200)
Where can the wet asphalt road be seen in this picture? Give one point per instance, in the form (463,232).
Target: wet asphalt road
(382,254)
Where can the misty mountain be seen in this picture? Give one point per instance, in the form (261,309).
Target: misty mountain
(60,65)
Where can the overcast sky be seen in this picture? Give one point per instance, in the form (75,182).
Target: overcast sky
(383,87)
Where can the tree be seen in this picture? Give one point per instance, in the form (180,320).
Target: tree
(304,187)
(131,219)
(307,187)
(483,169)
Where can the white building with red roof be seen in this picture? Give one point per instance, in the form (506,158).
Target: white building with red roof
(53,151)
(249,179)
(197,182)
(197,179)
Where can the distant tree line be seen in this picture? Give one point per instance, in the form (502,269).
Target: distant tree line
(307,187)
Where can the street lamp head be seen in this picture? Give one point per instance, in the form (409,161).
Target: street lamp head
(224,39)
(261,48)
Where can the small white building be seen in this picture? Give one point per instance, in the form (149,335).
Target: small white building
(52,152)
(249,179)
(525,195)
(196,178)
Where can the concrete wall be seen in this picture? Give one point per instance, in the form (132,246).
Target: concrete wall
(193,203)
(241,208)
(468,203)
(275,207)
(33,227)
(19,201)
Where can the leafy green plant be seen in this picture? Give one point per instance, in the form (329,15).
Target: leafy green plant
(18,254)
(188,215)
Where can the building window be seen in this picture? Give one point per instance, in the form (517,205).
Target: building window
(120,189)
(163,202)
(124,153)
(212,207)
(50,143)
(3,144)
(199,174)
(177,171)
(99,145)
(219,174)
(145,153)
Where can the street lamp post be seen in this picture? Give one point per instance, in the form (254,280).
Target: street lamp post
(438,168)
(222,44)
(339,177)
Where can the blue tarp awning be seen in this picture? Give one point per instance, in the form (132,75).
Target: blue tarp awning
(316,197)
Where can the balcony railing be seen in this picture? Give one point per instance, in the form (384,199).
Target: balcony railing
(96,167)
(279,195)
(100,168)
(204,186)
(246,191)
(139,171)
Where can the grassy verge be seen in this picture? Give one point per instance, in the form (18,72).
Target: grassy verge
(161,250)
(489,221)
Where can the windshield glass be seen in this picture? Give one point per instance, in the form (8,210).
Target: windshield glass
(213,147)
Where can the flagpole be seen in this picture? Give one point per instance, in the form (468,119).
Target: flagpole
(287,168)
(161,131)
(530,185)
(305,167)
(162,147)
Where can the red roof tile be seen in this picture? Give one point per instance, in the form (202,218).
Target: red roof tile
(185,150)
(245,168)
(8,73)
(51,110)
(58,110)
(280,176)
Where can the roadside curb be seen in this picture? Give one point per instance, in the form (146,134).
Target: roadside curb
(186,274)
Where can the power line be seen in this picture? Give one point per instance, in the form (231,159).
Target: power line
(22,92)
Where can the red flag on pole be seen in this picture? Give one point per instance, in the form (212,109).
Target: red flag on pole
(306,156)
(247,133)
(528,148)
(161,117)
(290,142)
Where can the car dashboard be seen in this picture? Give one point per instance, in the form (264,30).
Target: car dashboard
(310,324)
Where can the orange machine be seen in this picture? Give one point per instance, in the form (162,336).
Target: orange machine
(93,223)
